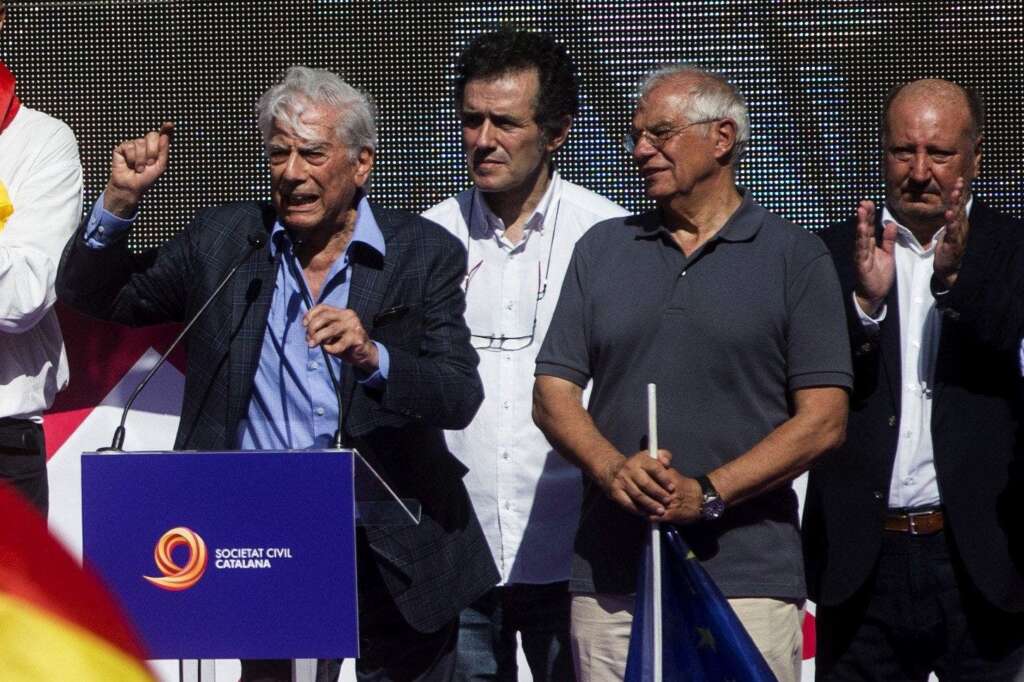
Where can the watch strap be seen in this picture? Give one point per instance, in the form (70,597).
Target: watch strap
(706,487)
(712,505)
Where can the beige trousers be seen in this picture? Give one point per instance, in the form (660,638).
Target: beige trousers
(601,624)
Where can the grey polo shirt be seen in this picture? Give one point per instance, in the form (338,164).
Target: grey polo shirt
(727,335)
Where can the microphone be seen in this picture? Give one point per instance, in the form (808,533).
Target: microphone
(256,242)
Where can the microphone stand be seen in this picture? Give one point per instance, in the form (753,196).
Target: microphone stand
(256,241)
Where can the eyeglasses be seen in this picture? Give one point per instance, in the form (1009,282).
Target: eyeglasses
(500,342)
(657,139)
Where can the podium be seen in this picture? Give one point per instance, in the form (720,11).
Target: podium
(241,554)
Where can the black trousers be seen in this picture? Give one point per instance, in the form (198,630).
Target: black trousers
(918,614)
(23,460)
(389,649)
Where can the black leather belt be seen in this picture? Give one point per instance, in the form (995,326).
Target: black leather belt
(20,437)
(924,522)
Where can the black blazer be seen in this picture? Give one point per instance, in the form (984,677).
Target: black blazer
(976,418)
(410,301)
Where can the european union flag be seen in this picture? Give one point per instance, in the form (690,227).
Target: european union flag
(702,639)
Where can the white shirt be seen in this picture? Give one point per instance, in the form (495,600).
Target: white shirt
(526,496)
(40,169)
(913,481)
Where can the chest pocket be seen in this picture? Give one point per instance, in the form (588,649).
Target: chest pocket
(399,325)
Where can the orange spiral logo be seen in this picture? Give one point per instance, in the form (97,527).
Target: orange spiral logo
(177,578)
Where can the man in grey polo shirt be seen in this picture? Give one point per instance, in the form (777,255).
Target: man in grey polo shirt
(736,315)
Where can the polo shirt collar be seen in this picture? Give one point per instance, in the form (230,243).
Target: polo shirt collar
(744,222)
(742,225)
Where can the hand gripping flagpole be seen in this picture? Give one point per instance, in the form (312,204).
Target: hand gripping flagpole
(680,606)
(655,537)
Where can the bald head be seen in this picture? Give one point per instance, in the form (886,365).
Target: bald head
(932,139)
(940,93)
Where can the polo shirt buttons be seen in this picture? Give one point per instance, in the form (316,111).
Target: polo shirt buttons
(319,411)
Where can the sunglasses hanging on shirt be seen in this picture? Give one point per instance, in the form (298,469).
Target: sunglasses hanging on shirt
(503,341)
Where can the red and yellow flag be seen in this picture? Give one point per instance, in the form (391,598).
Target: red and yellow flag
(57,621)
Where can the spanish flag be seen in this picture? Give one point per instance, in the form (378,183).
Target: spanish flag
(57,621)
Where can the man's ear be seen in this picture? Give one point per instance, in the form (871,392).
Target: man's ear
(363,166)
(554,141)
(977,155)
(725,138)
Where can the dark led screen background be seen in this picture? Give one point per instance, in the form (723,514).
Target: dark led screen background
(815,75)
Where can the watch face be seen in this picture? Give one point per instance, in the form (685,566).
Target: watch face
(712,508)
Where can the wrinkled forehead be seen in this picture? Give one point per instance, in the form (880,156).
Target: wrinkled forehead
(946,117)
(668,101)
(662,107)
(306,123)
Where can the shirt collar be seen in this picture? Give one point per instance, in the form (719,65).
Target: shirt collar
(741,226)
(483,220)
(744,222)
(906,238)
(366,231)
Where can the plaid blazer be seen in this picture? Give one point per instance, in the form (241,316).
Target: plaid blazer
(410,301)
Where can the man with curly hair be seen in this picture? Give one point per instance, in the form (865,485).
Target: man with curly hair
(516,96)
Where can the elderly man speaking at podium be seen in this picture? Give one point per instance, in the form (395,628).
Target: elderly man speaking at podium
(321,267)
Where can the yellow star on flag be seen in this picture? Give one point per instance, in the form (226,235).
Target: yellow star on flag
(707,640)
(6,207)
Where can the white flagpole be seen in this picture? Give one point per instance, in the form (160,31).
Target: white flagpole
(652,450)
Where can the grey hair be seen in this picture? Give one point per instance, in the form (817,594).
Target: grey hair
(710,97)
(303,88)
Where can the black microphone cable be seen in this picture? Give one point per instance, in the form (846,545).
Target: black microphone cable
(256,241)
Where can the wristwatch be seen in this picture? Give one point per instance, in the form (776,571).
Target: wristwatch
(712,505)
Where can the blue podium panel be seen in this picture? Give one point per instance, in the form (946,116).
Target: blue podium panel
(227,554)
